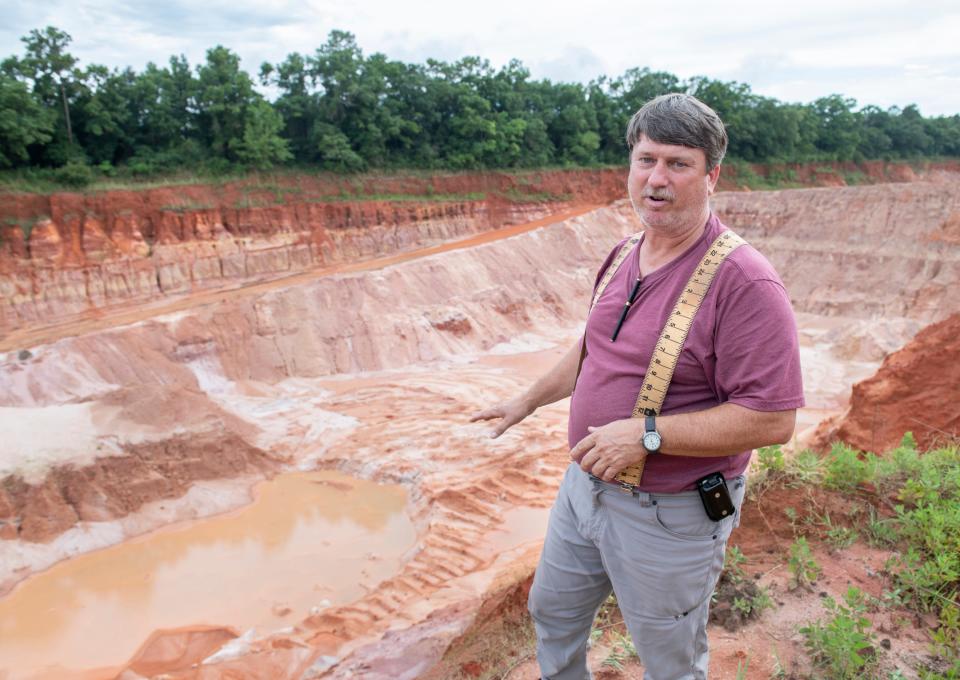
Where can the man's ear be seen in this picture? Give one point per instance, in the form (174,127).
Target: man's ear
(712,178)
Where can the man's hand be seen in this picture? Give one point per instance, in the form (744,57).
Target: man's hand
(509,412)
(607,450)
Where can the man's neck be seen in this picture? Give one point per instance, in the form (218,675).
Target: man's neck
(659,249)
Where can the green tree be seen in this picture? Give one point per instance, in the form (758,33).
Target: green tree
(106,121)
(297,103)
(51,68)
(23,122)
(838,132)
(224,93)
(261,146)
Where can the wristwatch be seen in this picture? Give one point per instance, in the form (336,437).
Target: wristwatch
(651,438)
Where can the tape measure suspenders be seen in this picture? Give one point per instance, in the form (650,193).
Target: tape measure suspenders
(674,333)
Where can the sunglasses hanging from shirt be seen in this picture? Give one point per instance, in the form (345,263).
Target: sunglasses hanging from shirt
(674,333)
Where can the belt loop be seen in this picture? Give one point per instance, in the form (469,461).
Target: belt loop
(595,492)
(645,500)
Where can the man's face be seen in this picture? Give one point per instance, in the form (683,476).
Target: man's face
(669,186)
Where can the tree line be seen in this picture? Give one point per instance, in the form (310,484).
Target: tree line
(341,110)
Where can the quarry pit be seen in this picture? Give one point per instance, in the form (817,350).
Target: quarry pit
(245,425)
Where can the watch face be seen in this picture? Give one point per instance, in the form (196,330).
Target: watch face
(651,441)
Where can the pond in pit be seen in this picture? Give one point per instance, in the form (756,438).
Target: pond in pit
(308,540)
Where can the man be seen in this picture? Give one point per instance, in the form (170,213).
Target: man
(736,386)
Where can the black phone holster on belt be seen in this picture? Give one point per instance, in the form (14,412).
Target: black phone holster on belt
(715,496)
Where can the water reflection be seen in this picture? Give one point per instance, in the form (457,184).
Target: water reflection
(309,538)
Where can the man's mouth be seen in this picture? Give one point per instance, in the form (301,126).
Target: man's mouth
(658,198)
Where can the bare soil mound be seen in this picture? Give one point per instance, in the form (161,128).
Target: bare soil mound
(915,390)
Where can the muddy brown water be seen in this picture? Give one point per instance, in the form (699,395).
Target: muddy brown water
(309,540)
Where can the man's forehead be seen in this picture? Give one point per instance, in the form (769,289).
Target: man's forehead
(647,145)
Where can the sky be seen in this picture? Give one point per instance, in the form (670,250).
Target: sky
(881,52)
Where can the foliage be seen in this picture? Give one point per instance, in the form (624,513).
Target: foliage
(74,174)
(621,651)
(838,536)
(343,110)
(845,470)
(842,645)
(745,597)
(924,528)
(804,569)
(804,469)
(946,638)
(928,520)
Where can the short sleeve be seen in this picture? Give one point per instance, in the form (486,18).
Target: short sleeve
(757,348)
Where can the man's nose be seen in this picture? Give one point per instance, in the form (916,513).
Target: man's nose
(658,176)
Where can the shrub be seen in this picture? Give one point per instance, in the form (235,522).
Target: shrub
(804,570)
(842,645)
(74,174)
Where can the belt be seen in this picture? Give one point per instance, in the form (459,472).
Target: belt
(635,490)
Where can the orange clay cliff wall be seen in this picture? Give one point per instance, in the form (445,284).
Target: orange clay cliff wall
(68,253)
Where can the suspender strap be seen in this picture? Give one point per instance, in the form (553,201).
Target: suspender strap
(674,334)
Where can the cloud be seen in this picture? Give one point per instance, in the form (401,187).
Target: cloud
(573,64)
(793,51)
(783,77)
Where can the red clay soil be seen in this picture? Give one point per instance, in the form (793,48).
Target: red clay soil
(75,254)
(836,173)
(915,390)
(114,486)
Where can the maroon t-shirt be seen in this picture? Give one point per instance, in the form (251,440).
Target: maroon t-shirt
(742,348)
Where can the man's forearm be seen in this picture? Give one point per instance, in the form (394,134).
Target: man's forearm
(557,383)
(724,430)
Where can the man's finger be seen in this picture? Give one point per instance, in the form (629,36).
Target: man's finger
(501,427)
(581,448)
(601,469)
(589,460)
(612,471)
(486,414)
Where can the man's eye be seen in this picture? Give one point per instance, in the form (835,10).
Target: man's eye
(645,160)
(680,164)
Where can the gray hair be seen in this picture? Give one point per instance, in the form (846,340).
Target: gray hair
(680,119)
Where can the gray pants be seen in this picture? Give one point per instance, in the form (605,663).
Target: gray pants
(660,554)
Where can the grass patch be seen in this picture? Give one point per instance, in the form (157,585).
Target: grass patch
(186,205)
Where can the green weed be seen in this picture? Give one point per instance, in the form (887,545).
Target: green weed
(842,645)
(804,469)
(803,568)
(621,651)
(881,532)
(839,537)
(845,470)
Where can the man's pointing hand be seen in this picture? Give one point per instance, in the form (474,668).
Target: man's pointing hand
(509,412)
